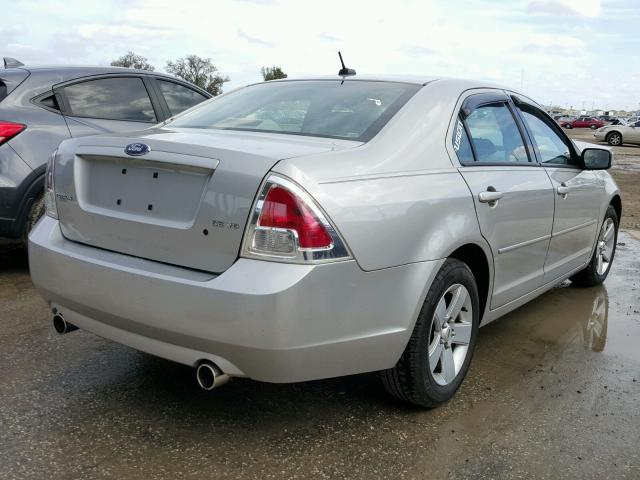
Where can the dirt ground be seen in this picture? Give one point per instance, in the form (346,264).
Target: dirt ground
(553,393)
(626,171)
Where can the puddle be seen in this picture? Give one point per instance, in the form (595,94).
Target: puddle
(602,319)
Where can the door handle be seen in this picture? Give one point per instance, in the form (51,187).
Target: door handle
(563,190)
(490,197)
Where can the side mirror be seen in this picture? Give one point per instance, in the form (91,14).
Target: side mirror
(596,159)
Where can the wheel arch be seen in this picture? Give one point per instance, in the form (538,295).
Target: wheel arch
(616,203)
(475,257)
(30,188)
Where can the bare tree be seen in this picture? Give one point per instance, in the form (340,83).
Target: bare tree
(132,60)
(200,71)
(272,73)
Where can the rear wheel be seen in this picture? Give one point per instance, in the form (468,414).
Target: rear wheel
(598,268)
(614,139)
(593,127)
(568,126)
(35,213)
(439,351)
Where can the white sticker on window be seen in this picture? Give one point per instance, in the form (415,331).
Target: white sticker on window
(458,139)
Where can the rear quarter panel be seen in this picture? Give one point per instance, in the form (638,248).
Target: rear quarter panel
(396,199)
(45,130)
(397,220)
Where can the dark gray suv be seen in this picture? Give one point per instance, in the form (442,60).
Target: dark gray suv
(41,106)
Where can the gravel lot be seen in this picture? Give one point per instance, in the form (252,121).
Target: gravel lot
(553,392)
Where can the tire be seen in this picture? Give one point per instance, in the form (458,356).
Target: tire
(593,127)
(413,379)
(614,139)
(568,126)
(596,272)
(35,213)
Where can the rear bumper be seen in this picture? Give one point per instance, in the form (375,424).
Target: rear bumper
(268,321)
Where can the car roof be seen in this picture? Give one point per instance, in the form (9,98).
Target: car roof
(73,71)
(86,69)
(459,83)
(57,74)
(414,79)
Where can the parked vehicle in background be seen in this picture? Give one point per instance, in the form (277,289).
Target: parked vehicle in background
(619,121)
(583,122)
(42,106)
(565,118)
(617,135)
(303,229)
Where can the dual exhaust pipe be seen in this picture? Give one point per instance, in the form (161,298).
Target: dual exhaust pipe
(208,374)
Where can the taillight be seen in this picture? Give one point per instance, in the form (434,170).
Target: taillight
(287,225)
(8,130)
(51,209)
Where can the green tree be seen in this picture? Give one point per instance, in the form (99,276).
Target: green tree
(132,60)
(199,71)
(272,73)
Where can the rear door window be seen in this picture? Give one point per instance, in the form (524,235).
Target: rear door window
(179,97)
(120,98)
(3,91)
(495,135)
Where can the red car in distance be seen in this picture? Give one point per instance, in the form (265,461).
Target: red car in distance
(583,122)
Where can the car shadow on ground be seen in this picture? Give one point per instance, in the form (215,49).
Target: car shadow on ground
(13,258)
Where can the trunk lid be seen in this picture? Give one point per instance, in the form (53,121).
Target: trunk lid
(185,202)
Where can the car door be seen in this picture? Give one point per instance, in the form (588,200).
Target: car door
(632,133)
(107,104)
(513,194)
(577,197)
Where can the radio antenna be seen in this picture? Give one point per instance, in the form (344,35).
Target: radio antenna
(344,71)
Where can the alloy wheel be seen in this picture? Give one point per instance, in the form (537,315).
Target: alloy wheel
(606,244)
(450,334)
(614,139)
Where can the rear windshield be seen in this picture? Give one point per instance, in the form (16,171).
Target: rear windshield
(354,109)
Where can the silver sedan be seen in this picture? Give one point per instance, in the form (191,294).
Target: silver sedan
(305,229)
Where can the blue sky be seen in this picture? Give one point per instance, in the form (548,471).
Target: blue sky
(569,52)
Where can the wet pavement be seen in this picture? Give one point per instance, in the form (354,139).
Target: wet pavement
(553,392)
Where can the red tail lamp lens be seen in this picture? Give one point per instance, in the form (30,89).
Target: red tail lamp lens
(283,209)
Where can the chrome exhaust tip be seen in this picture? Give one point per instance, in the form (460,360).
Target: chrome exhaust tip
(61,325)
(209,375)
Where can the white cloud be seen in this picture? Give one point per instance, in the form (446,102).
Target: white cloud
(587,8)
(548,40)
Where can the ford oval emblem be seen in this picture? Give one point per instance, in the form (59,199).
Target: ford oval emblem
(137,149)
